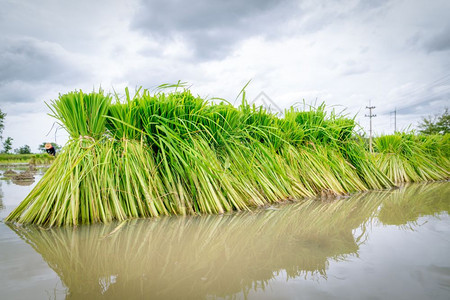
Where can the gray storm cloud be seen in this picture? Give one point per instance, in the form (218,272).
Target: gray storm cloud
(440,41)
(212,28)
(31,60)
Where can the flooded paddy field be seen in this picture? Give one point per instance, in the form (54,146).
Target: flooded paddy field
(378,245)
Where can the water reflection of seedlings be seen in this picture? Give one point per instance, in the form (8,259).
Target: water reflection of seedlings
(203,256)
(407,204)
(10,173)
(23,182)
(23,178)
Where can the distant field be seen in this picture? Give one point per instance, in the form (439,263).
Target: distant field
(41,158)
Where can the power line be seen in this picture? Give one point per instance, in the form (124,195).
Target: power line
(438,82)
(418,93)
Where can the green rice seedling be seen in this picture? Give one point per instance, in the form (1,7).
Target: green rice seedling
(124,120)
(345,172)
(436,147)
(365,164)
(82,114)
(312,170)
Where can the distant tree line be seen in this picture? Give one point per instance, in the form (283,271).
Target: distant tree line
(437,124)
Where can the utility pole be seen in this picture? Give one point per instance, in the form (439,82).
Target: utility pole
(370,116)
(395,119)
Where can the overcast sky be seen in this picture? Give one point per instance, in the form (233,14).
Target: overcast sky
(394,53)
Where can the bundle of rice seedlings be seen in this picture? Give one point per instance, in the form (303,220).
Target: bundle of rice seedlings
(69,192)
(158,154)
(404,158)
(436,147)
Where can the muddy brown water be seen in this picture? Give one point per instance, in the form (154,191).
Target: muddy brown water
(378,245)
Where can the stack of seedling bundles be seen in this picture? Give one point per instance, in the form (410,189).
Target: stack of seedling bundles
(405,157)
(173,153)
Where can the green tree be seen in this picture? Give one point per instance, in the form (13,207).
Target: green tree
(7,144)
(437,124)
(2,126)
(23,150)
(55,145)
